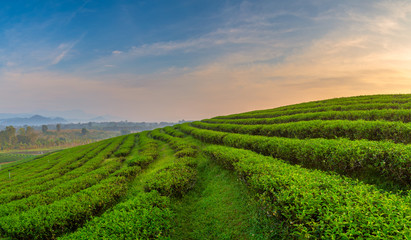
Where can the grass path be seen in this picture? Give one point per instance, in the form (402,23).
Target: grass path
(219,207)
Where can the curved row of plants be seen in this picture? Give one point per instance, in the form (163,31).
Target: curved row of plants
(399,99)
(69,167)
(397,132)
(95,183)
(49,221)
(145,153)
(50,164)
(181,146)
(173,132)
(66,189)
(338,107)
(343,156)
(147,214)
(178,178)
(313,204)
(292,162)
(401,115)
(281,154)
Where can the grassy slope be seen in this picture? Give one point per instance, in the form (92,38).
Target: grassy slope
(220,206)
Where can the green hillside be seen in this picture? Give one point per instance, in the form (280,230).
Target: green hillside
(332,169)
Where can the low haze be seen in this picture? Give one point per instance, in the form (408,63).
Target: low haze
(173,60)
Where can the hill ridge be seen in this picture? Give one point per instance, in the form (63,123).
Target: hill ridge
(333,169)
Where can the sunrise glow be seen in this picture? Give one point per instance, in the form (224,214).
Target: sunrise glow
(172,60)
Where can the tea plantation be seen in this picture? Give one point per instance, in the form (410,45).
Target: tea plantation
(332,169)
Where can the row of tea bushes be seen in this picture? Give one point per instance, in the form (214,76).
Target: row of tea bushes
(401,115)
(344,156)
(397,132)
(313,204)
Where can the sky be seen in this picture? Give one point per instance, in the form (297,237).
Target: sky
(161,60)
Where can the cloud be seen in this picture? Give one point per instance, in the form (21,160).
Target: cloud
(243,44)
(63,49)
(36,57)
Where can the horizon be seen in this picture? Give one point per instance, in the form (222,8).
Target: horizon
(161,61)
(108,118)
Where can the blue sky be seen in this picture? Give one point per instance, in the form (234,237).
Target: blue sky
(172,60)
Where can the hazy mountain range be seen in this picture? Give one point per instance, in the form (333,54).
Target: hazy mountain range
(44,117)
(31,121)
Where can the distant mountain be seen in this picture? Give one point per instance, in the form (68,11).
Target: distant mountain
(35,120)
(40,117)
(69,115)
(77,115)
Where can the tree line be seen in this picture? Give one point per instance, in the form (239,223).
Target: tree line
(28,137)
(11,137)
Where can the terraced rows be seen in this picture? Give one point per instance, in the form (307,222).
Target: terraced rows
(68,188)
(334,169)
(64,193)
(312,170)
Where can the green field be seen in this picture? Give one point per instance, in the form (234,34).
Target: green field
(333,169)
(13,157)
